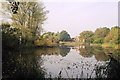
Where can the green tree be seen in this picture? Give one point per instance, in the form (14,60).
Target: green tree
(100,34)
(87,36)
(113,36)
(29,19)
(9,36)
(54,37)
(31,15)
(64,36)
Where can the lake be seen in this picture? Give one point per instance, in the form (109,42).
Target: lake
(61,62)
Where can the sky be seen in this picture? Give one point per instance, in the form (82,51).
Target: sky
(76,16)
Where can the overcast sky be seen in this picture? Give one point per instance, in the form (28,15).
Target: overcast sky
(76,16)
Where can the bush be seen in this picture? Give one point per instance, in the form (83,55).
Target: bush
(99,41)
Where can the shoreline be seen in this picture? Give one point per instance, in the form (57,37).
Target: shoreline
(107,45)
(67,44)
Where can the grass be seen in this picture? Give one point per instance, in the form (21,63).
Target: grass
(45,42)
(105,45)
(95,44)
(72,43)
(49,43)
(111,45)
(69,43)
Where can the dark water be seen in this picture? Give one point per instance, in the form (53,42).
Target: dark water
(62,62)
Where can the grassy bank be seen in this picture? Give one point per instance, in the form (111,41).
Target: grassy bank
(68,43)
(107,45)
(111,45)
(72,43)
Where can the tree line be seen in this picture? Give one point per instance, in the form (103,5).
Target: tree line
(26,26)
(101,35)
(12,37)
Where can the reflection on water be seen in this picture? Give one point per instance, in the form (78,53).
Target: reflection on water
(21,64)
(62,62)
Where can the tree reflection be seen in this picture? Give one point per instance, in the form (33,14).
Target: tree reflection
(21,64)
(64,51)
(108,70)
(86,51)
(113,53)
(54,51)
(100,54)
(108,61)
(111,68)
(94,63)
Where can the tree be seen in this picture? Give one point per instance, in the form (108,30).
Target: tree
(64,36)
(9,36)
(87,36)
(29,14)
(54,37)
(29,19)
(113,36)
(100,34)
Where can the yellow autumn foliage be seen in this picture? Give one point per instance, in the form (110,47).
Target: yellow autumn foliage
(45,42)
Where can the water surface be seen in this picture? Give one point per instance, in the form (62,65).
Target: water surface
(62,62)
